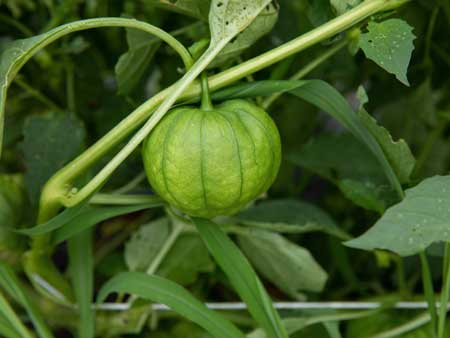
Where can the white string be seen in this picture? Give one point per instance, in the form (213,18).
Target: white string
(283,306)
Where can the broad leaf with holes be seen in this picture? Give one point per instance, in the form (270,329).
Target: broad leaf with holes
(389,44)
(262,25)
(412,225)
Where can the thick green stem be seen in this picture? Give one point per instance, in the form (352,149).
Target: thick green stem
(445,292)
(428,290)
(206,103)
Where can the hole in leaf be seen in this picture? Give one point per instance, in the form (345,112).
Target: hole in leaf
(219,4)
(227,23)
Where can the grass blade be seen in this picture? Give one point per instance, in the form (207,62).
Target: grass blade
(165,291)
(13,319)
(242,277)
(82,216)
(11,284)
(82,275)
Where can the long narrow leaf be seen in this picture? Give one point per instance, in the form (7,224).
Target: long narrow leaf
(56,222)
(12,318)
(6,329)
(324,96)
(165,291)
(82,216)
(82,275)
(242,277)
(95,215)
(11,284)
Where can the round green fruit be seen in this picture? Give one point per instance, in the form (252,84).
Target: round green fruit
(210,163)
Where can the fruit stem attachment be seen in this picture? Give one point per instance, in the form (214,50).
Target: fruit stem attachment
(206,103)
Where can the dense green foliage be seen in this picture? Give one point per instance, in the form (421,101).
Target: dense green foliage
(326,154)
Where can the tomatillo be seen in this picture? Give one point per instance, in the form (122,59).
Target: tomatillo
(213,162)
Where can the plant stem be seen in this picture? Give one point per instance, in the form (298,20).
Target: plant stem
(117,199)
(206,103)
(404,328)
(427,148)
(16,24)
(307,69)
(428,290)
(432,23)
(177,229)
(37,94)
(70,87)
(132,184)
(445,292)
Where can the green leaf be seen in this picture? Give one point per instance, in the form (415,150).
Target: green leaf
(56,222)
(164,291)
(145,243)
(242,276)
(6,328)
(397,152)
(11,284)
(47,148)
(276,258)
(186,259)
(198,9)
(410,226)
(389,44)
(300,216)
(262,25)
(359,179)
(94,215)
(132,65)
(82,275)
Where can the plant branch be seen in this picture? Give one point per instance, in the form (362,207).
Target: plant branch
(37,94)
(428,290)
(445,293)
